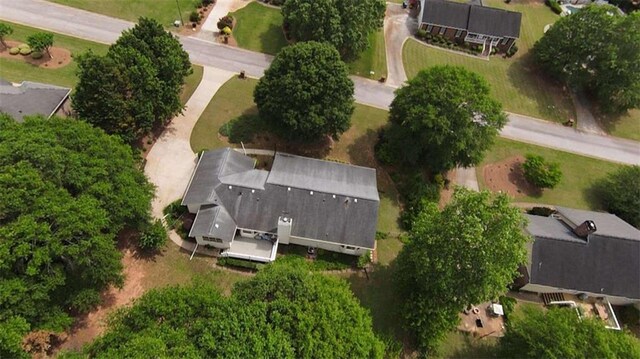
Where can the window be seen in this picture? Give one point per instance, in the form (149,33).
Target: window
(211,239)
(442,30)
(429,28)
(351,248)
(458,33)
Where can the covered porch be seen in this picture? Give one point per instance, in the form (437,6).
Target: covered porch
(258,249)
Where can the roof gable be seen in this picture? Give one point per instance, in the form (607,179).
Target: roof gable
(31,98)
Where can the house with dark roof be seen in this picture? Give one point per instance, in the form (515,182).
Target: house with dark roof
(31,98)
(471,24)
(583,253)
(247,212)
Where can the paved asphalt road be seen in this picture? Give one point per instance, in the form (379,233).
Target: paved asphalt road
(79,23)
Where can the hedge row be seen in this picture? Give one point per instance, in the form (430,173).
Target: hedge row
(233,262)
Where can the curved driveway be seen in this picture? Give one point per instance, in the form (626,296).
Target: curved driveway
(83,24)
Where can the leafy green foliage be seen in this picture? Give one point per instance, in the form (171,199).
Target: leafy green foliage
(136,86)
(344,24)
(559,333)
(445,117)
(41,41)
(619,193)
(541,173)
(154,236)
(466,254)
(508,304)
(12,330)
(66,190)
(306,92)
(416,193)
(233,262)
(553,4)
(285,311)
(599,50)
(5,30)
(225,21)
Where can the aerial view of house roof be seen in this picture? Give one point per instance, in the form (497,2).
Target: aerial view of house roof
(474,18)
(606,260)
(329,201)
(31,98)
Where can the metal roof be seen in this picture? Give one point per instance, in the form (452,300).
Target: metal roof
(31,98)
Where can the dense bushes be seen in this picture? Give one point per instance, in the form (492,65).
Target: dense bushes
(14,50)
(441,41)
(233,262)
(416,193)
(154,236)
(226,21)
(553,4)
(541,173)
(195,17)
(619,193)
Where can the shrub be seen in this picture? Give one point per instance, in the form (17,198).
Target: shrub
(24,46)
(207,2)
(364,259)
(553,4)
(381,235)
(226,30)
(277,2)
(194,17)
(14,51)
(540,173)
(36,55)
(541,211)
(233,262)
(421,34)
(25,51)
(154,236)
(512,50)
(86,300)
(226,21)
(508,304)
(416,194)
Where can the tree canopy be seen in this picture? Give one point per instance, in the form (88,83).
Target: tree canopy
(344,24)
(464,255)
(306,92)
(5,30)
(66,190)
(619,193)
(559,333)
(285,311)
(445,117)
(598,50)
(41,41)
(136,86)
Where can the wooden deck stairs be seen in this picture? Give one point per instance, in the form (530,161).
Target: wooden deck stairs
(552,297)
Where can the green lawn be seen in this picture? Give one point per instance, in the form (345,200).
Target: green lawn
(355,146)
(514,81)
(165,11)
(579,173)
(191,83)
(17,71)
(259,28)
(627,125)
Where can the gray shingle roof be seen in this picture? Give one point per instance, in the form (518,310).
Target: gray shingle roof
(495,22)
(324,176)
(215,222)
(447,13)
(31,98)
(474,18)
(602,264)
(342,209)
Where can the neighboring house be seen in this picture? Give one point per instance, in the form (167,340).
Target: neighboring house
(31,98)
(472,24)
(247,212)
(584,252)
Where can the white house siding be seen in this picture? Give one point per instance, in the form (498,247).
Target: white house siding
(537,288)
(334,247)
(201,241)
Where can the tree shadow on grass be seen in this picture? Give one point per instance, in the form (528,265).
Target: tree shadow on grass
(272,40)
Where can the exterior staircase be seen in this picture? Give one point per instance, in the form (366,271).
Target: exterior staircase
(486,48)
(552,297)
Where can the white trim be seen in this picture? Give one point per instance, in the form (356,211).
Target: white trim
(60,104)
(447,26)
(334,243)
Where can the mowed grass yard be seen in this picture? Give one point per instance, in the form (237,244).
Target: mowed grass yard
(626,125)
(259,28)
(579,173)
(18,71)
(165,11)
(514,81)
(355,146)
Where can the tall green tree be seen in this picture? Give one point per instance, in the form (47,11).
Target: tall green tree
(5,30)
(464,255)
(66,190)
(41,41)
(619,193)
(136,86)
(306,93)
(346,24)
(286,311)
(598,50)
(559,333)
(445,117)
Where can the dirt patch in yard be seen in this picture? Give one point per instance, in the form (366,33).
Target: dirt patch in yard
(60,57)
(508,177)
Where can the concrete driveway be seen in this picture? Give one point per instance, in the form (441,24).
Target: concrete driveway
(398,27)
(171,161)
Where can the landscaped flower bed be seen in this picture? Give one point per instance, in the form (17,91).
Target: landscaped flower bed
(443,42)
